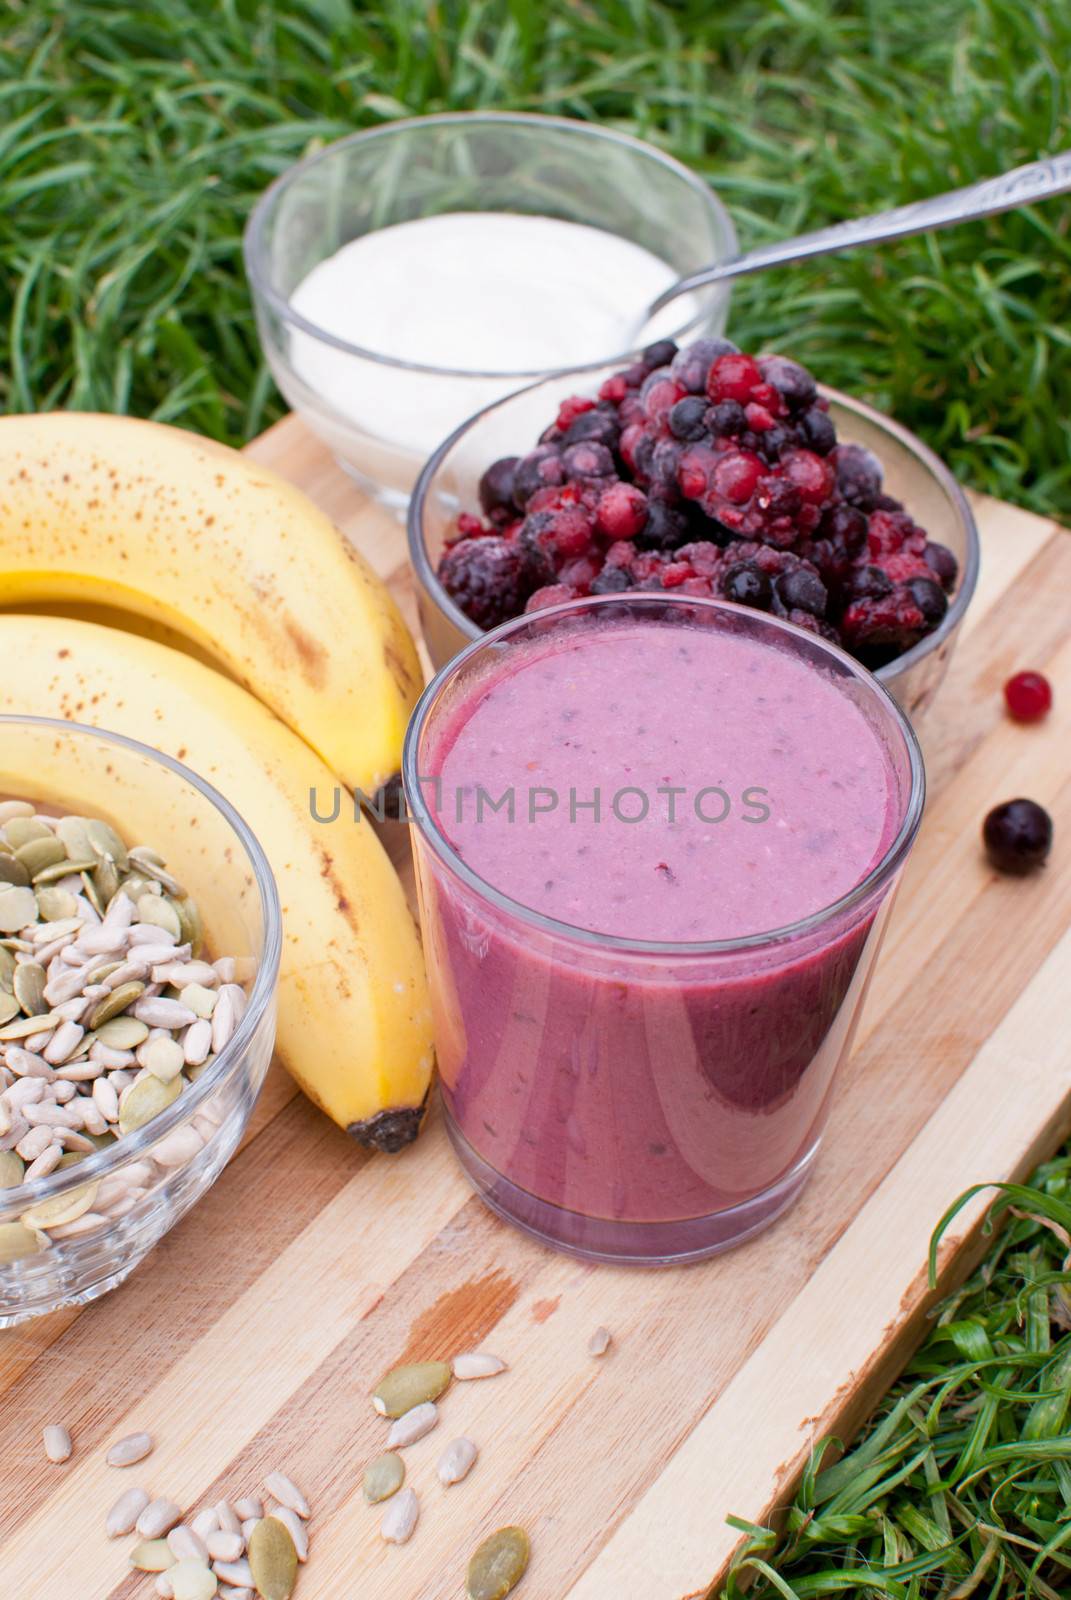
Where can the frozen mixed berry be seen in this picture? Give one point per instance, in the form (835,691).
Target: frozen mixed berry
(687,419)
(553,594)
(747,584)
(487,578)
(1017,835)
(691,366)
(541,468)
(942,563)
(859,472)
(621,511)
(793,383)
(496,487)
(612,580)
(734,377)
(588,459)
(1028,696)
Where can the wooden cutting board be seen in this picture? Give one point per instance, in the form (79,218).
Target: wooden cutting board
(250,1339)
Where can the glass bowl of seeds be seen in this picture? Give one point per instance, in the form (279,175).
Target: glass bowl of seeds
(140,936)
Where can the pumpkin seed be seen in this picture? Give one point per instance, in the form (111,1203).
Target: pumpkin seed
(17,1241)
(164,1057)
(161,913)
(21,830)
(40,854)
(12,871)
(122,1033)
(105,842)
(106,878)
(62,869)
(14,808)
(145,1100)
(89,889)
(498,1565)
(12,1168)
(400,1517)
(30,989)
(72,831)
(111,1006)
(190,931)
(25,1027)
(7,969)
(152,1555)
(18,907)
(134,886)
(64,1208)
(403,1388)
(272,1559)
(70,1158)
(383,1477)
(9,1006)
(55,905)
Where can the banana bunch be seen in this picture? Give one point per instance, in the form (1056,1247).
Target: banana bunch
(295,666)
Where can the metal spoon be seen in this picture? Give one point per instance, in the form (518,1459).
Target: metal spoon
(1020,187)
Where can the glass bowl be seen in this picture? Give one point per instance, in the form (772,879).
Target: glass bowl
(448,485)
(380,416)
(146,1180)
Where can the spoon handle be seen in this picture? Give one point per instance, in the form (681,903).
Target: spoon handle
(1020,187)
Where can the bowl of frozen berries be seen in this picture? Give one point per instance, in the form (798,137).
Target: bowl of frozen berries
(705,471)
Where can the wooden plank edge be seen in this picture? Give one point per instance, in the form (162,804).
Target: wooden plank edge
(985,1131)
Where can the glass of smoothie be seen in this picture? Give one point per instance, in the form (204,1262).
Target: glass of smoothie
(656,839)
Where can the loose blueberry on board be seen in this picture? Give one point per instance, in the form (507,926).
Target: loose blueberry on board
(1017,836)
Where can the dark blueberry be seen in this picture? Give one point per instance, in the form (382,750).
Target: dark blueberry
(870,583)
(600,426)
(727,419)
(774,441)
(665,528)
(847,525)
(665,459)
(819,434)
(540,468)
(942,563)
(686,418)
(487,577)
(692,365)
(883,502)
(859,473)
(778,497)
(496,485)
(659,354)
(611,580)
(588,460)
(929,597)
(791,380)
(802,591)
(643,456)
(1017,835)
(747,584)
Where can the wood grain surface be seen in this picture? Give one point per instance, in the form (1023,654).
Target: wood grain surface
(251,1337)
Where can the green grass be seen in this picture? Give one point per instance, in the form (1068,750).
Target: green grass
(135,136)
(961,1484)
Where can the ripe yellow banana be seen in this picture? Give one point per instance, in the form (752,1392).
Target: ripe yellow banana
(109,511)
(354,1020)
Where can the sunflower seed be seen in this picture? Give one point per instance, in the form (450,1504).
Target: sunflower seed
(238,1573)
(35,1143)
(272,1560)
(63,1043)
(58,1444)
(227,1517)
(145,1100)
(477,1364)
(204,1523)
(125,1513)
(185,1545)
(413,1425)
(45,1163)
(229,1593)
(160,1013)
(249,1507)
(191,1580)
(164,1057)
(383,1477)
(106,1100)
(197,1043)
(400,1517)
(125,1452)
(158,1518)
(286,1492)
(403,1388)
(498,1565)
(600,1342)
(456,1461)
(222,1546)
(152,1555)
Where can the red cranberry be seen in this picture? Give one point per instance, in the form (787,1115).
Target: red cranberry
(1017,835)
(738,473)
(621,511)
(812,476)
(614,389)
(572,408)
(733,377)
(759,420)
(553,594)
(660,394)
(674,574)
(691,366)
(694,471)
(1028,696)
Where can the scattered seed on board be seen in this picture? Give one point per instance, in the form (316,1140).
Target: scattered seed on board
(158,1518)
(400,1517)
(383,1477)
(58,1444)
(477,1364)
(152,1555)
(192,1580)
(498,1565)
(223,1546)
(237,1573)
(295,1527)
(272,1558)
(133,1448)
(124,1514)
(227,1517)
(404,1388)
(250,1506)
(413,1425)
(286,1492)
(456,1461)
(600,1342)
(185,1545)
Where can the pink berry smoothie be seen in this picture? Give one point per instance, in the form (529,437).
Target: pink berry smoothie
(645,791)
